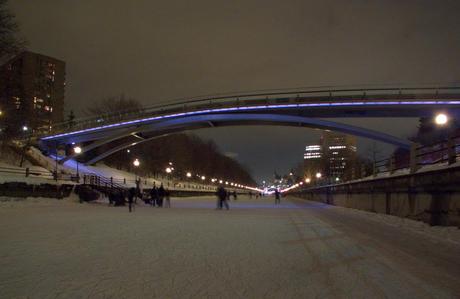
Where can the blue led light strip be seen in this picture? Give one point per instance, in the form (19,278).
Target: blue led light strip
(252,108)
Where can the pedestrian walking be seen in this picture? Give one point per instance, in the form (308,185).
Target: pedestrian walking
(131,195)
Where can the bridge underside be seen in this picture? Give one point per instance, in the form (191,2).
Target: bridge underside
(131,136)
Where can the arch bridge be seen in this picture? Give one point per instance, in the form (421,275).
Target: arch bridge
(290,107)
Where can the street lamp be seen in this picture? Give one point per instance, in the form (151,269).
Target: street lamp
(318,175)
(168,170)
(25,128)
(203,178)
(189,174)
(307,180)
(136,163)
(77,150)
(441,119)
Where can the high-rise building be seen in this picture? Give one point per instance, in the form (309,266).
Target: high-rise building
(339,155)
(32,92)
(313,160)
(334,157)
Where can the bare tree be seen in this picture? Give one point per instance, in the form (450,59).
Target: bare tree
(113,104)
(10,41)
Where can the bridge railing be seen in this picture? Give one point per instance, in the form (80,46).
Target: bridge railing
(256,98)
(438,153)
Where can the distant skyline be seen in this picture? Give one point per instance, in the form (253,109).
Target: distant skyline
(159,50)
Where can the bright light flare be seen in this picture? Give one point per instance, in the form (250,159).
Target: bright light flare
(77,150)
(441,119)
(136,163)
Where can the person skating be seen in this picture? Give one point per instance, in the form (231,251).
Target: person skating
(153,195)
(167,199)
(277,197)
(161,195)
(221,198)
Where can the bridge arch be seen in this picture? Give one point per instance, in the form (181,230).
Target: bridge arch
(155,130)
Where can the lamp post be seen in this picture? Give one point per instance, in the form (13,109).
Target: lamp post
(169,170)
(77,150)
(136,164)
(24,130)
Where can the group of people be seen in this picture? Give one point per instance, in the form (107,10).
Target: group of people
(159,197)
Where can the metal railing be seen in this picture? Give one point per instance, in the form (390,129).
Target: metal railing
(35,173)
(262,97)
(438,153)
(123,183)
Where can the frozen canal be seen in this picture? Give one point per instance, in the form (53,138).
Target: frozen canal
(62,249)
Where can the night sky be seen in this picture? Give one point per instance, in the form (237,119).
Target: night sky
(159,50)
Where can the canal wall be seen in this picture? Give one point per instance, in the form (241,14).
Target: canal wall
(432,197)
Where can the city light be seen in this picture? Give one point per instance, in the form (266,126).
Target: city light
(136,163)
(318,175)
(77,150)
(307,180)
(1,112)
(25,128)
(203,178)
(441,119)
(189,174)
(220,181)
(226,183)
(168,170)
(170,163)
(337,179)
(128,151)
